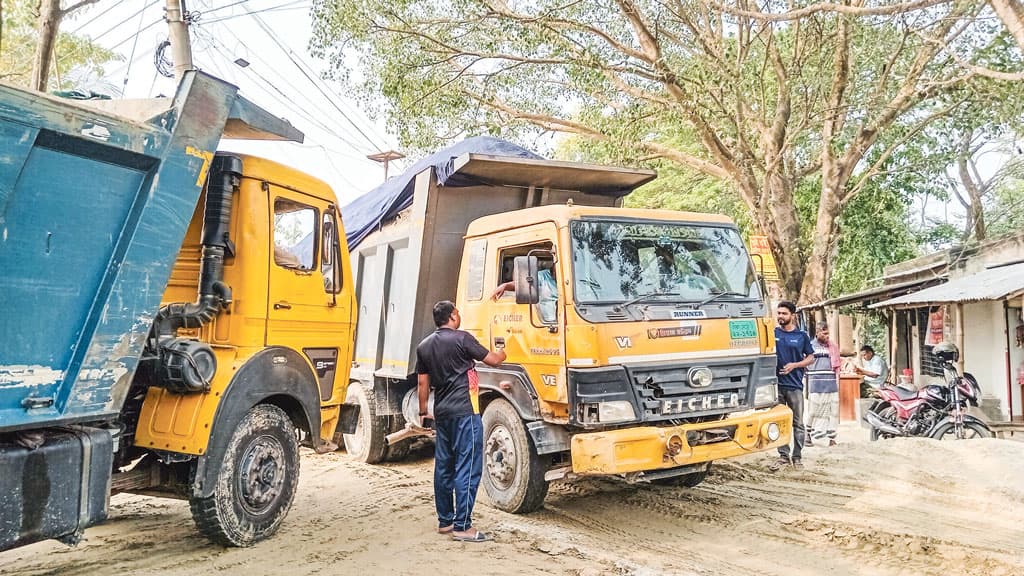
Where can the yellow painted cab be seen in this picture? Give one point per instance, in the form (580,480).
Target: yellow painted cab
(262,352)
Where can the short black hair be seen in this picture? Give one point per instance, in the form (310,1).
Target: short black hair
(788,306)
(443,312)
(867,348)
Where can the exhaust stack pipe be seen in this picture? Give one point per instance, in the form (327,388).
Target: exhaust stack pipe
(881,425)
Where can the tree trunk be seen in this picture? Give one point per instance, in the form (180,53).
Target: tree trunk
(819,263)
(1011,12)
(778,221)
(48,26)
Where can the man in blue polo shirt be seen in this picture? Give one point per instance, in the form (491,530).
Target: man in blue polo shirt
(794,353)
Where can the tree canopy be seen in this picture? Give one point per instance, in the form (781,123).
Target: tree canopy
(797,115)
(76,56)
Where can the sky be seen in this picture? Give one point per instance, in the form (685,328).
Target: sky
(282,77)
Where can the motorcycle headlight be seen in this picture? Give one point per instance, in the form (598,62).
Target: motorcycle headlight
(767,395)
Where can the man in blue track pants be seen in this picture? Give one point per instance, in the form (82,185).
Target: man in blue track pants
(446,361)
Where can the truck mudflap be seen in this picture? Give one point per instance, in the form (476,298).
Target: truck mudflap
(56,490)
(644,448)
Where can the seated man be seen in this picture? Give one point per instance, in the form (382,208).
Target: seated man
(873,369)
(547,291)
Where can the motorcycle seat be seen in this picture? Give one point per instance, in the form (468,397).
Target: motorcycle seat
(902,393)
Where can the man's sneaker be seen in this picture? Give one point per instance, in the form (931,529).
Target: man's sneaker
(798,464)
(779,464)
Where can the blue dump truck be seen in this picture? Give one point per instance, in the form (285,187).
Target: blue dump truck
(171,318)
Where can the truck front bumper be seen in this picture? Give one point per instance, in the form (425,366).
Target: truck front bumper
(646,448)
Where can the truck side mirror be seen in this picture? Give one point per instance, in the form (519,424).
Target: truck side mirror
(524,273)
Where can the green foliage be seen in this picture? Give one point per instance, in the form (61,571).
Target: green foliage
(76,56)
(875,234)
(1005,214)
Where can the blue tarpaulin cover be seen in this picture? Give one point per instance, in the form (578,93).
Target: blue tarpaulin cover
(366,213)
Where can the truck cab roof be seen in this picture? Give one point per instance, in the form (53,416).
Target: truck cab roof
(285,176)
(562,214)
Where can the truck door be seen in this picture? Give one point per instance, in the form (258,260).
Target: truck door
(304,310)
(533,335)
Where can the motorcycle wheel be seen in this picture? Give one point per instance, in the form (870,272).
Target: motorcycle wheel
(887,413)
(947,431)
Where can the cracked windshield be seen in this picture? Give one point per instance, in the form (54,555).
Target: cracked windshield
(619,261)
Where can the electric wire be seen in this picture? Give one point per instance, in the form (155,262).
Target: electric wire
(300,65)
(313,104)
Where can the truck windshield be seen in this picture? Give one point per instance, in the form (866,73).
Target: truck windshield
(615,262)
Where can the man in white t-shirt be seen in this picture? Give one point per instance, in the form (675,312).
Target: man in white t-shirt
(873,368)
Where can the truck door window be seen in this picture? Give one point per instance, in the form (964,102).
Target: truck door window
(329,255)
(475,269)
(294,234)
(547,281)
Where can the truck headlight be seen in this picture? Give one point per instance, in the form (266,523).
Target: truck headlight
(767,395)
(616,411)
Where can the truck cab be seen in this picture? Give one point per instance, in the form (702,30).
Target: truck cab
(639,343)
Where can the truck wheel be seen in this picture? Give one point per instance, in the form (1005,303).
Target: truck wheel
(691,480)
(366,444)
(256,483)
(513,474)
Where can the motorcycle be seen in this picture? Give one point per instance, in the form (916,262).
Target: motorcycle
(933,411)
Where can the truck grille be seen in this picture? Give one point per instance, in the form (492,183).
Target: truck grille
(665,393)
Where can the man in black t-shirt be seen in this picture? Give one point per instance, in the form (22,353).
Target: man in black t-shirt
(446,361)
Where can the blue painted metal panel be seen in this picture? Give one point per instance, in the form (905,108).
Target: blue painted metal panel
(15,144)
(93,211)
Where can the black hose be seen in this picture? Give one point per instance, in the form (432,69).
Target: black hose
(224,179)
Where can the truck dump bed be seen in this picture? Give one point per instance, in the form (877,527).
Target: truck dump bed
(413,260)
(94,203)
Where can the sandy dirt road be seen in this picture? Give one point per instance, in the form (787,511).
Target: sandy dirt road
(902,507)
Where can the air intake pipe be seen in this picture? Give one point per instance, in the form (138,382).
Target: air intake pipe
(214,294)
(183,365)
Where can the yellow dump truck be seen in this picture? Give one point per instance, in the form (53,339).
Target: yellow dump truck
(639,342)
(173,317)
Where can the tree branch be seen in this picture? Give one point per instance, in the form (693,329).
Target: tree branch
(828,7)
(74,7)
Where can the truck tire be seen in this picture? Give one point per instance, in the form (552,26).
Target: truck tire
(513,472)
(256,483)
(367,443)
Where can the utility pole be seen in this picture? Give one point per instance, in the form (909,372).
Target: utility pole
(181,47)
(385,158)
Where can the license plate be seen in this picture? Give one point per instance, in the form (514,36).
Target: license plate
(701,403)
(742,329)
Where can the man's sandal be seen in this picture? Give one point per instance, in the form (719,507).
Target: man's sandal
(478,537)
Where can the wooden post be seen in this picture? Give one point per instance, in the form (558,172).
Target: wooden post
(958,328)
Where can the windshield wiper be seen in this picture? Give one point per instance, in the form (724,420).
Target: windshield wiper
(716,295)
(643,297)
